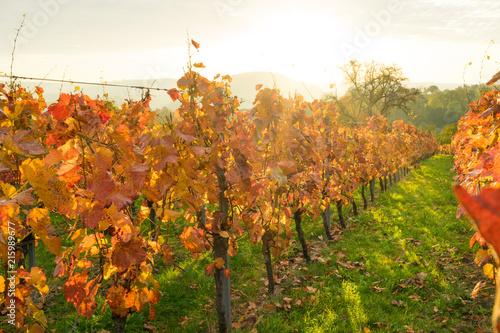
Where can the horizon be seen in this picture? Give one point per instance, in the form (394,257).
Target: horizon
(284,74)
(322,86)
(241,87)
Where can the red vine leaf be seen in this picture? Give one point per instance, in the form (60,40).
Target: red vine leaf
(485,210)
(62,109)
(76,290)
(126,254)
(174,94)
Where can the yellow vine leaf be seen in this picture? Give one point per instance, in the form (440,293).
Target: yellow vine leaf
(219,263)
(489,270)
(50,189)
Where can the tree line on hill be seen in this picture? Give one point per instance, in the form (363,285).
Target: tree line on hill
(376,88)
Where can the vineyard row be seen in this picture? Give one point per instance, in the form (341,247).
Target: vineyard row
(120,178)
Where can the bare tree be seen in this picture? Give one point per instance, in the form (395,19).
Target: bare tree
(373,88)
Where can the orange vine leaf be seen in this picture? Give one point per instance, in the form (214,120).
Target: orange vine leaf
(62,109)
(196,45)
(126,254)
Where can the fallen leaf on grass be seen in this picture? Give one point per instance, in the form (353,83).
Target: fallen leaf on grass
(418,283)
(149,327)
(247,321)
(298,302)
(321,259)
(341,254)
(269,307)
(401,304)
(377,289)
(415,297)
(351,265)
(311,290)
(183,320)
(251,306)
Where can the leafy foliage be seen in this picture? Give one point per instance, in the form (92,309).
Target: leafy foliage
(120,180)
(477,164)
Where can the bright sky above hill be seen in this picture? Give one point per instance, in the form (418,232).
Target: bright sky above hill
(432,40)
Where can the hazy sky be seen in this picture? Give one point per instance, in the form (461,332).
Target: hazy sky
(432,40)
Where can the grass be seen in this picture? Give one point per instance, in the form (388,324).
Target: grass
(403,265)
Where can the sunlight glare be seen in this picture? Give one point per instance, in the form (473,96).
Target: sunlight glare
(294,44)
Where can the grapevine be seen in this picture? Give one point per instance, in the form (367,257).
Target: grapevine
(120,179)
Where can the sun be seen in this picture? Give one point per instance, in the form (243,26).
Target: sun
(302,45)
(294,44)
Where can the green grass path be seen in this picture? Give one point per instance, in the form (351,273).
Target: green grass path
(402,266)
(407,268)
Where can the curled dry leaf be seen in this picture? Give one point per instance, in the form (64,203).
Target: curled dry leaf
(195,44)
(480,285)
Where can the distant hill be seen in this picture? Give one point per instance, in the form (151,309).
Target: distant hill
(243,86)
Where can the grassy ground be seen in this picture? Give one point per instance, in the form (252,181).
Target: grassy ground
(401,266)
